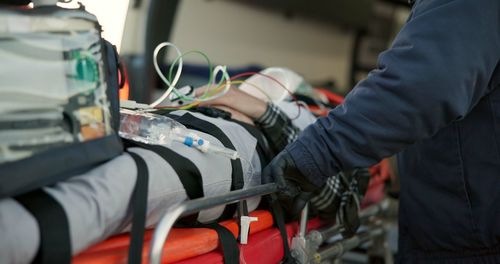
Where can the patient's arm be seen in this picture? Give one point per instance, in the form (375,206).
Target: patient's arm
(239,101)
(275,125)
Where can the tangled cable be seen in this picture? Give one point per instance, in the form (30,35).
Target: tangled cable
(171,83)
(212,90)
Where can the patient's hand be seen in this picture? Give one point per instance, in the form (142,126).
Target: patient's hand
(238,100)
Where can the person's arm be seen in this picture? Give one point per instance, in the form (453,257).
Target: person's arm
(436,71)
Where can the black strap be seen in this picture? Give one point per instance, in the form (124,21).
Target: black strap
(55,165)
(186,170)
(193,122)
(188,173)
(279,219)
(263,149)
(139,208)
(237,183)
(55,241)
(228,243)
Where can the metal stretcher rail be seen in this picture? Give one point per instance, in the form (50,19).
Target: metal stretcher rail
(338,248)
(365,214)
(192,206)
(315,236)
(307,248)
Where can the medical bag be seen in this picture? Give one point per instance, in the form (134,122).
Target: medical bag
(59,108)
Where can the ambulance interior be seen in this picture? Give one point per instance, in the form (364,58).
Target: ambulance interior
(210,91)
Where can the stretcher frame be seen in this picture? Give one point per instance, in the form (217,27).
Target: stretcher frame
(305,246)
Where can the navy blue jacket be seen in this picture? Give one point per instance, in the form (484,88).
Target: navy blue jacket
(435,101)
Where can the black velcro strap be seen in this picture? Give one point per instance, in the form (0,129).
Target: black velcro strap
(263,149)
(228,243)
(279,219)
(237,182)
(55,165)
(55,241)
(139,208)
(189,174)
(192,122)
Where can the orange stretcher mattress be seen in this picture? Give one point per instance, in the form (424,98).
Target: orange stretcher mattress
(268,241)
(199,245)
(182,243)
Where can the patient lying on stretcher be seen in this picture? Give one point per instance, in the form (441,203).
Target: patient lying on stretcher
(282,128)
(97,203)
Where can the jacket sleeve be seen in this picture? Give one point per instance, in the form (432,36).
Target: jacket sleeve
(436,71)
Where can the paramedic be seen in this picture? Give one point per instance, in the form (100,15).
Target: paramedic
(435,101)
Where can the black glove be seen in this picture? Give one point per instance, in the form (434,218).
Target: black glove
(338,198)
(294,190)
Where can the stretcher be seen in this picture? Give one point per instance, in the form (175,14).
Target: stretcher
(310,239)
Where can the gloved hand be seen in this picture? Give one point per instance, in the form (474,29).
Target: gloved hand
(294,190)
(338,198)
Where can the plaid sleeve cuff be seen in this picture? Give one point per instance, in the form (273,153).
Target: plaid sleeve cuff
(277,127)
(270,116)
